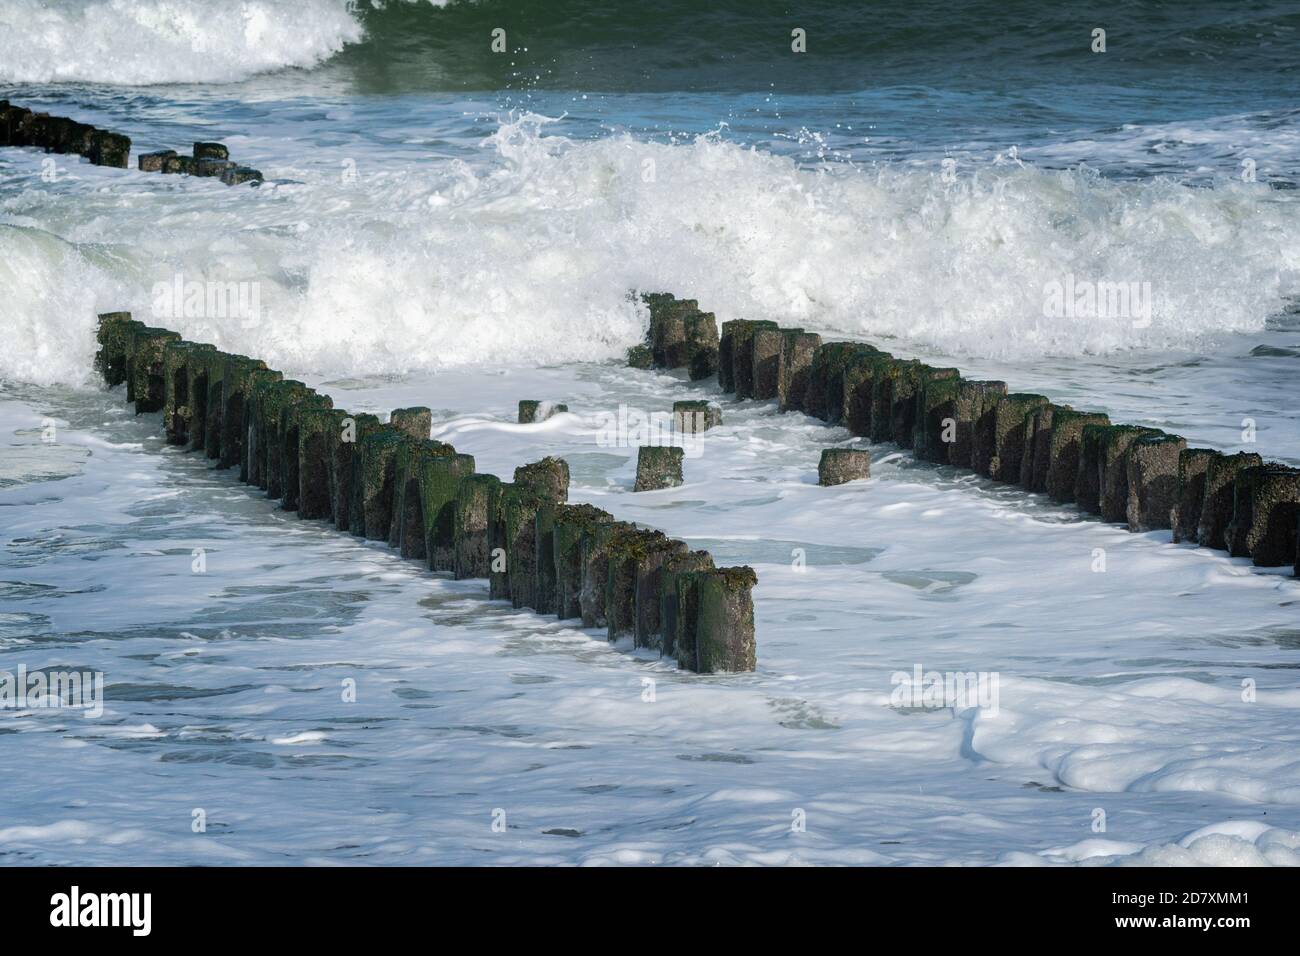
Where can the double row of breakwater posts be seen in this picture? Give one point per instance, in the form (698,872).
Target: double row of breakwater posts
(1143,478)
(20,126)
(388,481)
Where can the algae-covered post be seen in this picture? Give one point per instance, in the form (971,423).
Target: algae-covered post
(179,165)
(292,419)
(595,568)
(211,151)
(936,423)
(498,548)
(342,446)
(911,393)
(649,584)
(1112,469)
(858,387)
(268,399)
(972,445)
(726,353)
(406,526)
(378,454)
(1193,466)
(315,462)
(549,476)
(109,149)
(415,421)
(1011,417)
(1063,450)
(532,574)
(840,465)
(214,419)
(668,343)
(248,448)
(674,567)
(519,507)
(545,571)
(1216,508)
(1037,445)
(144,361)
(824,395)
(701,345)
(238,175)
(657,467)
(571,526)
(440,478)
(1153,480)
(640,356)
(153,162)
(741,354)
(111,335)
(766,347)
(1087,482)
(883,380)
(475,495)
(1266,506)
(715,620)
(178,405)
(236,379)
(797,350)
(693,417)
(628,554)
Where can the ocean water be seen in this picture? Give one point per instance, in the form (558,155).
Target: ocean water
(448,226)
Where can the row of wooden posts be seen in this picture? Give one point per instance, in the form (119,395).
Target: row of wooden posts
(388,481)
(20,126)
(1143,478)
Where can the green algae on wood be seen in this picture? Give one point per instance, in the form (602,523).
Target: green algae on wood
(1266,508)
(1193,463)
(841,465)
(658,467)
(472,525)
(572,524)
(1063,450)
(1217,506)
(1011,416)
(1153,480)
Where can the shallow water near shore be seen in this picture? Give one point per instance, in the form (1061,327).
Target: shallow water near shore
(442,228)
(1120,691)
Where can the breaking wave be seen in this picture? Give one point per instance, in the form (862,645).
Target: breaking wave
(141,42)
(528,257)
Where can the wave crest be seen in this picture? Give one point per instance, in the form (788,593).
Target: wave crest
(142,42)
(528,256)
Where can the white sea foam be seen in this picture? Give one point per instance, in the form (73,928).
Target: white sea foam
(528,255)
(139,42)
(1148,736)
(1120,692)
(1230,843)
